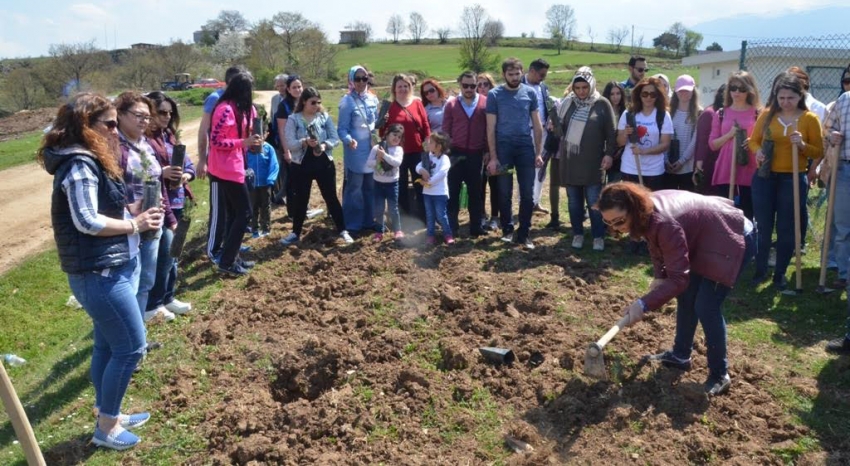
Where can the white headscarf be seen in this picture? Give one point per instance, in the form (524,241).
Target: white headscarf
(575,126)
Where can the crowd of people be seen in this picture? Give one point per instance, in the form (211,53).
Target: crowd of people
(701,190)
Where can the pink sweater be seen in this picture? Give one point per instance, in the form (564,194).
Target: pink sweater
(227,156)
(723,168)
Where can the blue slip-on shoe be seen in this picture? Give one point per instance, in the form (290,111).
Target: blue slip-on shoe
(123,441)
(132,421)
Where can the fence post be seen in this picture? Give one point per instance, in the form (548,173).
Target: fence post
(742,62)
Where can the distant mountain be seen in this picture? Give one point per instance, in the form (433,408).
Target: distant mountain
(729,32)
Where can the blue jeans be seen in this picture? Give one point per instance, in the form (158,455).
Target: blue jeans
(520,156)
(436,210)
(148,254)
(579,196)
(162,292)
(119,331)
(386,196)
(841,219)
(701,303)
(357,201)
(773,205)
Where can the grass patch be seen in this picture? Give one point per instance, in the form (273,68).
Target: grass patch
(19,151)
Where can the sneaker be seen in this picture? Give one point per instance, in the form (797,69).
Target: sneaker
(178,307)
(717,385)
(255,234)
(378,237)
(668,359)
(527,244)
(839,345)
(245,264)
(244,248)
(315,212)
(539,209)
(508,237)
(771,260)
(598,244)
(431,240)
(578,241)
(494,224)
(132,421)
(235,270)
(119,440)
(346,237)
(160,311)
(264,233)
(291,238)
(399,235)
(449,239)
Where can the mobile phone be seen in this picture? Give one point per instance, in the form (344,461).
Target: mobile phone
(258,126)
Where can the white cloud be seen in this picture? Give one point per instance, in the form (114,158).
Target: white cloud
(89,12)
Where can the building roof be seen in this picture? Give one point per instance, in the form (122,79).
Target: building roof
(709,58)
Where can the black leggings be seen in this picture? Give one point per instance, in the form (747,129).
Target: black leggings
(237,203)
(301,177)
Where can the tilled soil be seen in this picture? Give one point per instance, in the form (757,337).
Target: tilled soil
(25,121)
(368,354)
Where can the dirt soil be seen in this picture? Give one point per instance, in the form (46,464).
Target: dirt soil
(368,354)
(25,121)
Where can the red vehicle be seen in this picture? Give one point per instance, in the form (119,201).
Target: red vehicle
(209,82)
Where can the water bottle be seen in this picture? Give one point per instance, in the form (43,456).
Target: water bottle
(13,360)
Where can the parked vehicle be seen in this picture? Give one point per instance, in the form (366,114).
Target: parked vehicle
(182,81)
(208,83)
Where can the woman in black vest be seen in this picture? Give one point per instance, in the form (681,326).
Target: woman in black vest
(98,243)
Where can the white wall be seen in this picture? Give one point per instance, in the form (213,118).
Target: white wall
(711,76)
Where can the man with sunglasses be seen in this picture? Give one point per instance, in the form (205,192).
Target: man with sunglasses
(637,70)
(465,122)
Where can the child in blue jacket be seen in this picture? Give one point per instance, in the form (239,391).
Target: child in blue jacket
(262,159)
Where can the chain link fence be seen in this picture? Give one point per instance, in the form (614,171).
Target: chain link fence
(823,58)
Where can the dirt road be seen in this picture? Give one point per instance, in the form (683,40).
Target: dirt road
(25,203)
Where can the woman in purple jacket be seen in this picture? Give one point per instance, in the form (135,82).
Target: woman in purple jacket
(698,245)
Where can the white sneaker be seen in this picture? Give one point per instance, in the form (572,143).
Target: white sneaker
(178,307)
(346,237)
(578,241)
(162,312)
(312,213)
(598,244)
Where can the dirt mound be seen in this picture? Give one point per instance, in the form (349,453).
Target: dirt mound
(368,354)
(25,121)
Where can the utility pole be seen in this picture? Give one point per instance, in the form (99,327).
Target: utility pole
(633,39)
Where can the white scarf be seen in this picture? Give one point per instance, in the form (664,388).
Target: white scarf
(571,141)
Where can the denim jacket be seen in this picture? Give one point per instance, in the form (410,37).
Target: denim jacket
(296,131)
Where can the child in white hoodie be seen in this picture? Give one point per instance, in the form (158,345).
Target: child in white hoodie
(385,159)
(436,187)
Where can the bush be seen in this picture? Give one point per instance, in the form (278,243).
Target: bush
(191,96)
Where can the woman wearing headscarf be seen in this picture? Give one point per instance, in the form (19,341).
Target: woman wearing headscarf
(588,143)
(358,111)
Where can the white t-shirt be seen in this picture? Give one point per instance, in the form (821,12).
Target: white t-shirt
(647,130)
(439,181)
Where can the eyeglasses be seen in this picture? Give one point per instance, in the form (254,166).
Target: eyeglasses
(140,116)
(469,86)
(616,222)
(641,70)
(649,95)
(315,102)
(845,81)
(430,90)
(361,79)
(483,84)
(734,88)
(110,124)
(164,112)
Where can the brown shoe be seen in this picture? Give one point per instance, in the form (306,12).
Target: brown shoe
(541,210)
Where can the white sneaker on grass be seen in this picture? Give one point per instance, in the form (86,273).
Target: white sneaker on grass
(178,307)
(162,312)
(578,241)
(598,244)
(346,237)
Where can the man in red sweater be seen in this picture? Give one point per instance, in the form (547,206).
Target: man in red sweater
(465,122)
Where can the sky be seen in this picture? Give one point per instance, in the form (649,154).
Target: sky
(27,28)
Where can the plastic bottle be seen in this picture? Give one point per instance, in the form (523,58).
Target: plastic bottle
(14,360)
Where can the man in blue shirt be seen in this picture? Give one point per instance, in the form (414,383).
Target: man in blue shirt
(511,110)
(637,70)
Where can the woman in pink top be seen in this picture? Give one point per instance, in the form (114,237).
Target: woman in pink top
(741,106)
(230,136)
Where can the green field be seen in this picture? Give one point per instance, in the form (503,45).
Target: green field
(19,151)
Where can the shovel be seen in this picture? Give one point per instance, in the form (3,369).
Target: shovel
(795,166)
(594,361)
(832,158)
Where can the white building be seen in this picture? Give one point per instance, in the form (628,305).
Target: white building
(714,70)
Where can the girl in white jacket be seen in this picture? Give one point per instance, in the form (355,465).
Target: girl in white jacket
(385,159)
(436,187)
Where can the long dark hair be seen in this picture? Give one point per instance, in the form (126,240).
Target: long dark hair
(718,97)
(157,98)
(307,94)
(240,93)
(621,107)
(791,82)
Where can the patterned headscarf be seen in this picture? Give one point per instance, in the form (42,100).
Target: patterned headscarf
(351,72)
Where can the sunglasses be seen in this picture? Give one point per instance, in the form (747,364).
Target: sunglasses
(315,102)
(469,86)
(641,70)
(430,91)
(110,124)
(734,88)
(649,95)
(140,116)
(845,81)
(616,222)
(483,84)
(361,79)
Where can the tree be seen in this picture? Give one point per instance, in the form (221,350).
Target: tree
(395,26)
(692,42)
(361,26)
(74,62)
(616,36)
(714,47)
(417,27)
(22,90)
(229,49)
(666,41)
(591,35)
(227,22)
(291,27)
(177,58)
(267,48)
(679,30)
(474,53)
(140,69)
(560,24)
(317,58)
(443,34)
(494,30)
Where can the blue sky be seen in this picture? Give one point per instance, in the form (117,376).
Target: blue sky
(27,28)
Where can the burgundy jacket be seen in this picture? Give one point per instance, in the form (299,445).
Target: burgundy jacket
(691,233)
(468,135)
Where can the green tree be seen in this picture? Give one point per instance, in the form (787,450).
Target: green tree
(75,62)
(561,25)
(475,55)
(291,27)
(714,47)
